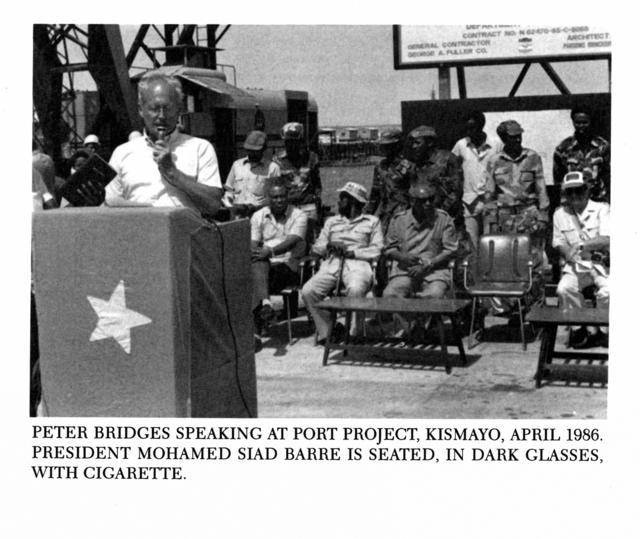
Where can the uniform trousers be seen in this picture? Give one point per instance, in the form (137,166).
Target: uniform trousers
(268,278)
(403,286)
(357,278)
(572,284)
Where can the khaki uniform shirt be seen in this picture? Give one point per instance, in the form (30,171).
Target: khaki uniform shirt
(247,182)
(424,240)
(362,235)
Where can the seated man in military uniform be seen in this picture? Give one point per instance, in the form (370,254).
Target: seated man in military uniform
(351,240)
(581,234)
(420,243)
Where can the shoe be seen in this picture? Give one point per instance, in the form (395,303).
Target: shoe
(592,340)
(257,343)
(578,338)
(604,339)
(514,321)
(338,334)
(266,314)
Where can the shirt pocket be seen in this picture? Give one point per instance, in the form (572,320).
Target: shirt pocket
(571,235)
(257,186)
(502,175)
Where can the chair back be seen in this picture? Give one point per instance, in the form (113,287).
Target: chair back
(503,258)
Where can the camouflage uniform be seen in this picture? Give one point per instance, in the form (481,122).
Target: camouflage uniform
(518,204)
(517,192)
(443,170)
(569,157)
(303,182)
(389,191)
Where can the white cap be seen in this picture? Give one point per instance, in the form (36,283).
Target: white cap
(572,180)
(91,139)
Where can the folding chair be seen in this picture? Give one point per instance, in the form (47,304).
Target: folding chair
(503,268)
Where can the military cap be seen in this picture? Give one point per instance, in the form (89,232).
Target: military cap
(390,136)
(255,140)
(422,190)
(509,127)
(356,190)
(292,131)
(423,131)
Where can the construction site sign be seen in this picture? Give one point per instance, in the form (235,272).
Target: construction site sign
(476,44)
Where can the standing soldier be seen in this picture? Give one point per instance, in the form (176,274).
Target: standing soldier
(390,187)
(587,153)
(300,169)
(515,188)
(517,201)
(438,167)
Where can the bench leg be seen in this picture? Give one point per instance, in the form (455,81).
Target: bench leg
(457,339)
(347,323)
(522,335)
(443,343)
(327,343)
(287,305)
(472,340)
(547,345)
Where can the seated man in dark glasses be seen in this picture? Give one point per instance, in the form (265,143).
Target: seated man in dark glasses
(420,242)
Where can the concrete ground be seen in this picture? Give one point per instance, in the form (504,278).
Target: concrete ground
(497,383)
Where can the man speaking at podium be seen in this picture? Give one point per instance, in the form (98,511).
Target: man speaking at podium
(164,167)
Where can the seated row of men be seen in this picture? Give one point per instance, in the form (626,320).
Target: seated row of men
(166,167)
(420,241)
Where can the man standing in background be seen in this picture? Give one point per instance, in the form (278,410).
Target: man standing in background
(584,152)
(390,187)
(474,150)
(247,183)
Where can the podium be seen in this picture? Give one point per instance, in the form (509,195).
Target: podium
(143,312)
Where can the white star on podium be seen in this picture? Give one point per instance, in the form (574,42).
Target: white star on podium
(114,319)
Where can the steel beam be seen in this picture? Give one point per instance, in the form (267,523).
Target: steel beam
(137,43)
(520,78)
(462,82)
(553,75)
(109,69)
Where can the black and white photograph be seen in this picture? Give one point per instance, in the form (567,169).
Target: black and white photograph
(209,248)
(297,258)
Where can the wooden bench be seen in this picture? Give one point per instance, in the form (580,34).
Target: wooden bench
(436,308)
(552,317)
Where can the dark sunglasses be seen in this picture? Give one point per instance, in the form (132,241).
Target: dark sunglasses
(575,191)
(426,200)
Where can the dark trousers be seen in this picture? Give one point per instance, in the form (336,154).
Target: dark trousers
(34,367)
(270,278)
